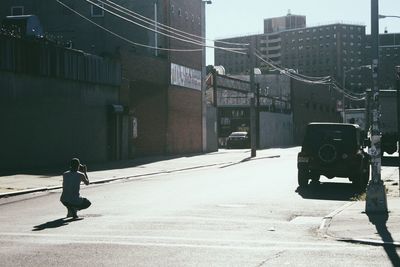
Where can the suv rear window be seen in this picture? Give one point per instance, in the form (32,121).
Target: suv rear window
(320,134)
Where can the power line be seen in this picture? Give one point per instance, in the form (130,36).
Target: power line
(123,38)
(327,80)
(234,50)
(153,22)
(292,74)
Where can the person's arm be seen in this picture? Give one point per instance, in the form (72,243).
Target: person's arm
(85,178)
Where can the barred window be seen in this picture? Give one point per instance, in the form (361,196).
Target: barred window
(96,10)
(17,10)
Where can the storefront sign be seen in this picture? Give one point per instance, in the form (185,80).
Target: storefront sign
(185,77)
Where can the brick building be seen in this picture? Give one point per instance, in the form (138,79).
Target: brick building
(161,90)
(56,103)
(327,50)
(283,23)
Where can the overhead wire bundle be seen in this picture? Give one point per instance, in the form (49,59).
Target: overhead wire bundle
(325,80)
(159,28)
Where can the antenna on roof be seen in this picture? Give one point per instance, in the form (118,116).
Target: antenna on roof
(289,12)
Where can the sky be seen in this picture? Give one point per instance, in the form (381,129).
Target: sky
(229,18)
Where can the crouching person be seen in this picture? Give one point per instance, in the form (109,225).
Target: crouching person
(72,179)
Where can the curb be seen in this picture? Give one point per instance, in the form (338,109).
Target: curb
(107,180)
(326,221)
(370,242)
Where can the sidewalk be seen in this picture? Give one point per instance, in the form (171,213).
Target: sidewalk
(28,183)
(350,223)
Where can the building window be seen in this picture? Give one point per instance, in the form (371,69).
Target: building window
(66,11)
(96,11)
(17,10)
(172,9)
(179,12)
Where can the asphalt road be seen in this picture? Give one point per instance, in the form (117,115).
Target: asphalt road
(247,214)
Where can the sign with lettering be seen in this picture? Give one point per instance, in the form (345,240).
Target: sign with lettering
(185,77)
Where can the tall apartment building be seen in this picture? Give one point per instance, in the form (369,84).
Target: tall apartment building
(283,23)
(236,63)
(333,50)
(389,55)
(324,50)
(268,44)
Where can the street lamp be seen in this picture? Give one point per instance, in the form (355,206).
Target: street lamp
(203,76)
(388,16)
(398,115)
(344,85)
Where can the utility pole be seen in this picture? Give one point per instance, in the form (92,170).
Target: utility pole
(376,193)
(398,116)
(253,128)
(203,78)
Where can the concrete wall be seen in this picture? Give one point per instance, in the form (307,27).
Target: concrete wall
(276,130)
(46,121)
(212,129)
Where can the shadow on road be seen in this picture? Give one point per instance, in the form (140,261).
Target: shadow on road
(329,191)
(48,171)
(55,224)
(248,159)
(379,220)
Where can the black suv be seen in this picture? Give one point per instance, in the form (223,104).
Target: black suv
(333,150)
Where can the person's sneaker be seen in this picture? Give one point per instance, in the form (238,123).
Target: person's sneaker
(70,213)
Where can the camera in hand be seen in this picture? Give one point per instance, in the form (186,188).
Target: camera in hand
(82,168)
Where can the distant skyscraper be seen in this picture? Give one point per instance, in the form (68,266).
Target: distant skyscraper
(287,22)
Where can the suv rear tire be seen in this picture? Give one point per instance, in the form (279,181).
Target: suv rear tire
(302,177)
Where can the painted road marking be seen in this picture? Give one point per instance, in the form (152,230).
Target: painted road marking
(167,241)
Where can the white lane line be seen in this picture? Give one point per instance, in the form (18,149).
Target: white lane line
(162,241)
(273,246)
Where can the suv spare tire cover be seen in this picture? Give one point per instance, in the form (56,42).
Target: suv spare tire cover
(327,153)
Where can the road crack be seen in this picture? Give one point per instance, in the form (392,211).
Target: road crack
(275,256)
